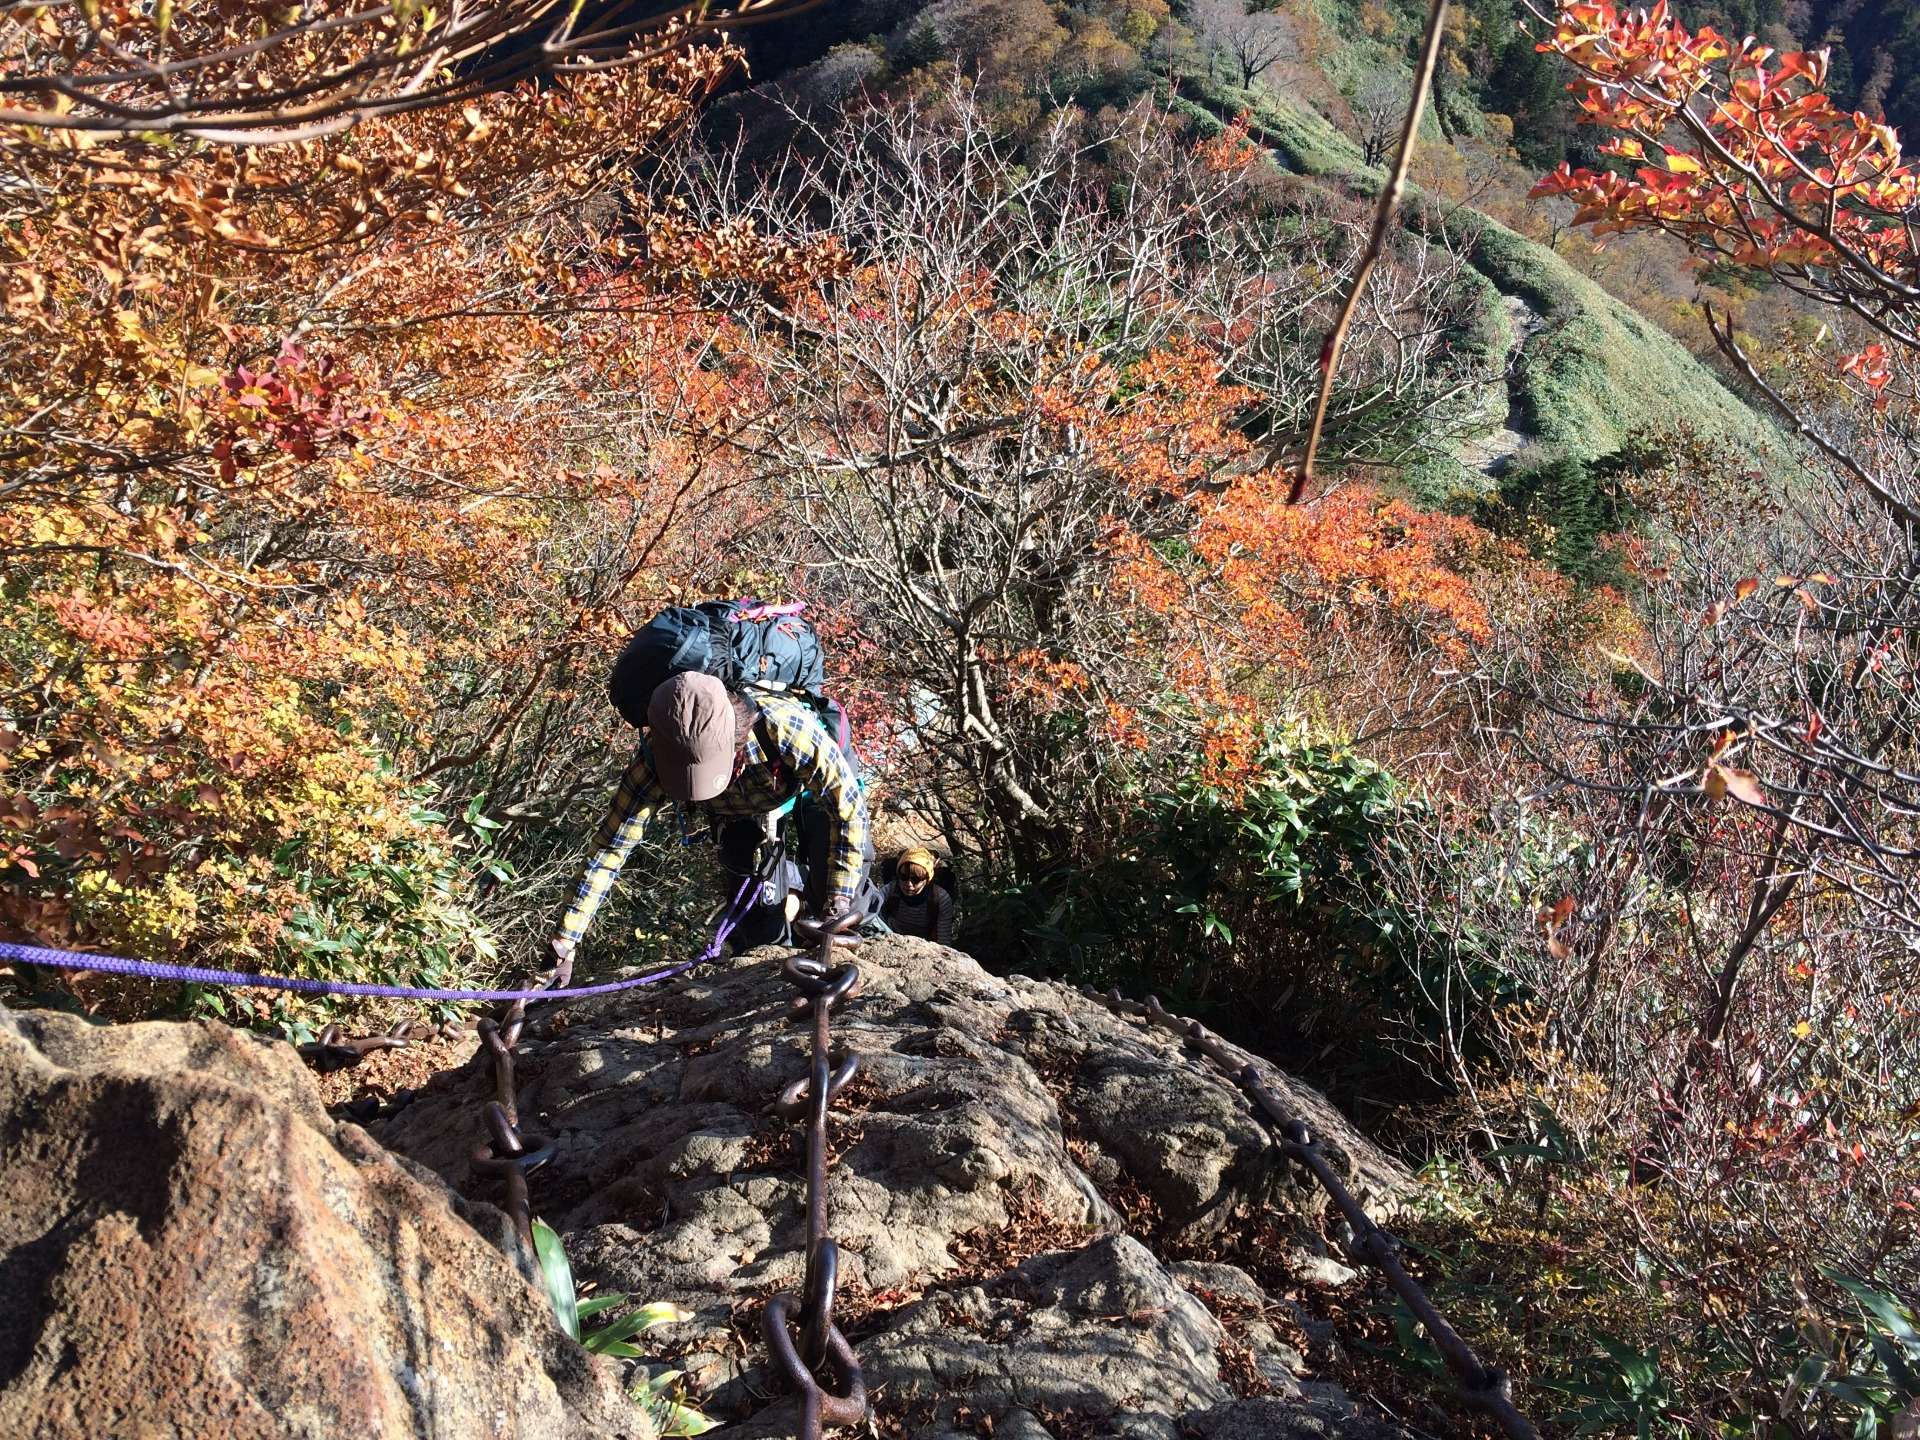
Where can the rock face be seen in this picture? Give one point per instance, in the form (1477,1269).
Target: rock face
(1021,1184)
(190,1247)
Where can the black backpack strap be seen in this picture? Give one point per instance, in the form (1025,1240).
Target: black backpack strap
(723,642)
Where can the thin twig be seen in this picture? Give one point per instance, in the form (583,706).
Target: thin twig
(1384,211)
(1897,509)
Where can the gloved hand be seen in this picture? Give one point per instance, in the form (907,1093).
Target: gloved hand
(562,947)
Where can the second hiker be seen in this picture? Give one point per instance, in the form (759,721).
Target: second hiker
(914,904)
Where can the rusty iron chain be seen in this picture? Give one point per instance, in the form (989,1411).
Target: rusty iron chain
(821,1347)
(507,1152)
(1481,1386)
(511,1154)
(843,1401)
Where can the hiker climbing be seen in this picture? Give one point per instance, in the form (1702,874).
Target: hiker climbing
(736,727)
(915,904)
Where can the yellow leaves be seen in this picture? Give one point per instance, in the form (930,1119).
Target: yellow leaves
(215,649)
(151,918)
(56,527)
(26,291)
(129,326)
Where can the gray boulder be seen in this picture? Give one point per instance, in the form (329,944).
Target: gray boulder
(1015,1171)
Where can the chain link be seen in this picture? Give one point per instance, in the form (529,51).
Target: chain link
(1483,1387)
(843,1401)
(505,1152)
(332,1049)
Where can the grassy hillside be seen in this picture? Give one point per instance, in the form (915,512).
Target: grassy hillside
(1598,370)
(1591,372)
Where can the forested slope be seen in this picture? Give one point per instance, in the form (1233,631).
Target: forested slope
(1537,775)
(1570,368)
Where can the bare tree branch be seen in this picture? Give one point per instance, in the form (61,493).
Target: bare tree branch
(196,70)
(1384,211)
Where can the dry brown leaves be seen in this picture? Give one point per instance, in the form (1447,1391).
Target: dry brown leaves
(1029,1231)
(384,1073)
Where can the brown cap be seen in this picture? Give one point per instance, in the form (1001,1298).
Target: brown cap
(690,727)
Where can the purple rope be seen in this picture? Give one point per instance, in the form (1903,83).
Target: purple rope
(736,912)
(200,975)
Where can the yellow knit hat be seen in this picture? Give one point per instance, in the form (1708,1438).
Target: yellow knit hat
(919,858)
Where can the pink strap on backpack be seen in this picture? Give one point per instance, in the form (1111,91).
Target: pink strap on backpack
(767,612)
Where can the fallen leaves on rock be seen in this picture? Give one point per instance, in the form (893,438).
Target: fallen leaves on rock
(384,1073)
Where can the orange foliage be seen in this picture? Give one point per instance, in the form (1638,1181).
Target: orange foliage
(1766,172)
(1256,586)
(1231,151)
(323,463)
(1351,553)
(1045,681)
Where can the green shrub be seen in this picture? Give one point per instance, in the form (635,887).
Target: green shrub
(1562,507)
(1271,910)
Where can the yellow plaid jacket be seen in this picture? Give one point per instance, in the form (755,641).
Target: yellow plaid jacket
(808,758)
